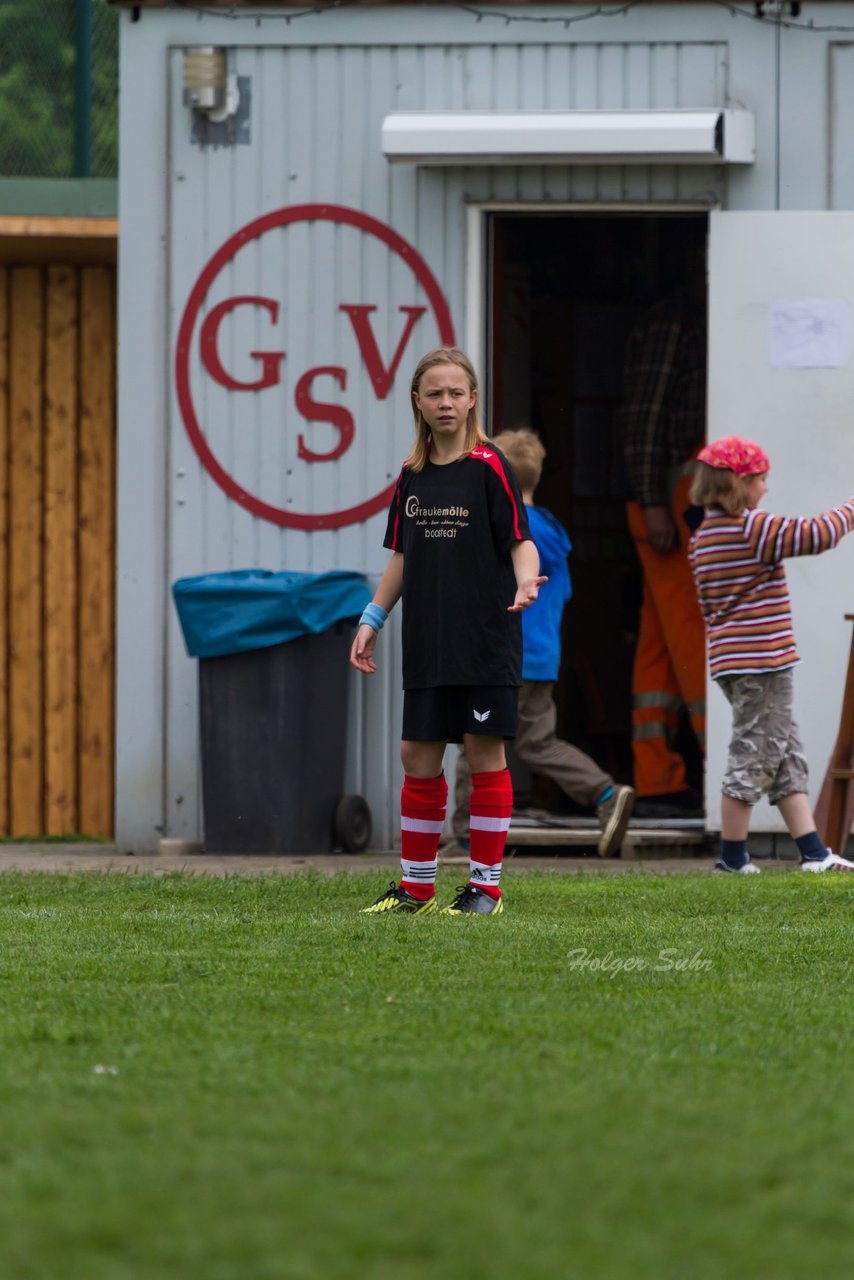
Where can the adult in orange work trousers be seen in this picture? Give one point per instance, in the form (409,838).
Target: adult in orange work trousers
(670,659)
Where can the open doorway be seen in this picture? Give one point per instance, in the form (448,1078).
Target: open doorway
(565,293)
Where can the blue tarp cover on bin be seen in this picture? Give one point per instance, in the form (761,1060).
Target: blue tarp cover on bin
(245,609)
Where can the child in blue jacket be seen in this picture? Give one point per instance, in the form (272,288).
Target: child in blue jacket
(537,744)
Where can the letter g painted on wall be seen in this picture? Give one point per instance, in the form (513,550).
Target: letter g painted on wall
(271,361)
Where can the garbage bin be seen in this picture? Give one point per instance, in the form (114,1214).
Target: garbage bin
(272,650)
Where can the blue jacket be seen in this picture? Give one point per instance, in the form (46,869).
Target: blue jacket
(542,621)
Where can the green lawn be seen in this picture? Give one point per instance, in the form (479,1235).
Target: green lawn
(288,1089)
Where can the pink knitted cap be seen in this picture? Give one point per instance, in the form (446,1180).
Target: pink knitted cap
(734,453)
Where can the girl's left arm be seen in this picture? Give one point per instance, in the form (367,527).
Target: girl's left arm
(526,566)
(774,538)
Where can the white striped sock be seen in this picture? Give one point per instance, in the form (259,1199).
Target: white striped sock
(479,822)
(419,872)
(486,873)
(424,826)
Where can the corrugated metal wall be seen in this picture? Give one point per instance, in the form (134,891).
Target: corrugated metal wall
(841,94)
(339,97)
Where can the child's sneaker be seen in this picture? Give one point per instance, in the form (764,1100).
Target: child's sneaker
(473,901)
(396,898)
(613,816)
(749,868)
(832,862)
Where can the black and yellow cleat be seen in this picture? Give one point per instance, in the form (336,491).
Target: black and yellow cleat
(471,901)
(397,899)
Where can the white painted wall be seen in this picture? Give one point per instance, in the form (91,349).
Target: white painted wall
(803,419)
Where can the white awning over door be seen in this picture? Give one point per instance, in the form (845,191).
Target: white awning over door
(569,137)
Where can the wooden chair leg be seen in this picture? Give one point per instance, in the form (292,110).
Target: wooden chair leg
(835,809)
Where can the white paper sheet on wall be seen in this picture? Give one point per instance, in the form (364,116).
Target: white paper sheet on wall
(808,334)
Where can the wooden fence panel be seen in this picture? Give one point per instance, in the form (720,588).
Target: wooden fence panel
(96,636)
(26,746)
(4,548)
(57,548)
(60,543)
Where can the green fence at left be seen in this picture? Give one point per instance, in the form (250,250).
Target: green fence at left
(58,89)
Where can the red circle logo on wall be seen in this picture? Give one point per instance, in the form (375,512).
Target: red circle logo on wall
(327,428)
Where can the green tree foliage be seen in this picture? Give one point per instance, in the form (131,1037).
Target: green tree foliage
(37,65)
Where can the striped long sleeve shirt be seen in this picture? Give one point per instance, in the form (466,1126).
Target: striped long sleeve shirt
(741,582)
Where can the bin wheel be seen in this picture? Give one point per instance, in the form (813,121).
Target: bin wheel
(351,826)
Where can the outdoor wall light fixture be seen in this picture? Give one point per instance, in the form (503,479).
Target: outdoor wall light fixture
(210,86)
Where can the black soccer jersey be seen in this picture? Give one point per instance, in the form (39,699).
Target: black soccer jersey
(455,525)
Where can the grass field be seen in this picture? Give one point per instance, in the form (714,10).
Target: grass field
(632,1076)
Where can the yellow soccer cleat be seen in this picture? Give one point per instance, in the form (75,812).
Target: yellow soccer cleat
(397,899)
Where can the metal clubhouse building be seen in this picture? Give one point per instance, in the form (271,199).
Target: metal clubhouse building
(313,196)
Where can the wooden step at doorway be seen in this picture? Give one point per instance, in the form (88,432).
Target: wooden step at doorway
(683,837)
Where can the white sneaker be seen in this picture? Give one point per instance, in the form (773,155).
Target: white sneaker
(832,862)
(749,868)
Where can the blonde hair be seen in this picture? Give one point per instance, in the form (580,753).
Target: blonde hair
(718,487)
(474,431)
(525,451)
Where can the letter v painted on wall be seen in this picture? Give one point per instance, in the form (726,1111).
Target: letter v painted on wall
(381,377)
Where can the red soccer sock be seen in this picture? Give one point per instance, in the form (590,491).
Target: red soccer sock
(423,802)
(491,808)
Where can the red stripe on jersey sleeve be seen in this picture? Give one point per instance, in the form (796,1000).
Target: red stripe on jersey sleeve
(396,502)
(491,459)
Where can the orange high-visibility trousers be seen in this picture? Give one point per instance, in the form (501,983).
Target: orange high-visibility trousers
(670,659)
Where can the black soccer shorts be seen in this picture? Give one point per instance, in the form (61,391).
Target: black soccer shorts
(446,713)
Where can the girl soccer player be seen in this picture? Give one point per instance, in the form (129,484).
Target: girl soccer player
(736,556)
(465,566)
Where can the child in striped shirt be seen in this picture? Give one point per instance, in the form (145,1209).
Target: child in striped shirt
(736,557)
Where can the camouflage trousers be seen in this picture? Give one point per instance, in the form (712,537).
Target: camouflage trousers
(765,753)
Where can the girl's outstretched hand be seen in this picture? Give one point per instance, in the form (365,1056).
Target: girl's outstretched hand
(361,652)
(526,594)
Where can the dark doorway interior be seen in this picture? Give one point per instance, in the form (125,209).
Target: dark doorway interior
(565,293)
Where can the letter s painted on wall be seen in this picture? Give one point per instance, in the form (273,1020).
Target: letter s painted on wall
(316,411)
